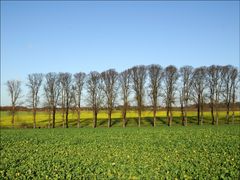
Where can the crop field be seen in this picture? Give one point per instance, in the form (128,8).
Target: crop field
(196,152)
(23,119)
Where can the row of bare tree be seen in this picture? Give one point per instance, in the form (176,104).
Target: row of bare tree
(214,84)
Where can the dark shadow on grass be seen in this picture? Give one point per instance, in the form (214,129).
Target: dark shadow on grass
(149,120)
(85,122)
(45,120)
(162,120)
(115,121)
(177,120)
(193,120)
(102,122)
(126,122)
(136,120)
(131,122)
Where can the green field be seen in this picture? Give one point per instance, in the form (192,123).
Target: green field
(196,152)
(24,119)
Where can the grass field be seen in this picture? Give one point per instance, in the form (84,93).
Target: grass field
(196,152)
(24,119)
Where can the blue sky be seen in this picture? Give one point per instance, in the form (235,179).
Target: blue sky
(61,36)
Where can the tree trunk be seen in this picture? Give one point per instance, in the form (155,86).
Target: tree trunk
(49,118)
(53,120)
(227,116)
(34,118)
(63,119)
(183,116)
(202,114)
(67,109)
(139,118)
(170,122)
(233,117)
(212,113)
(124,118)
(94,119)
(198,108)
(216,106)
(198,113)
(233,102)
(154,117)
(13,116)
(185,113)
(109,119)
(78,124)
(216,109)
(201,110)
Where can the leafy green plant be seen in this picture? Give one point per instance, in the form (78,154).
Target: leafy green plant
(206,152)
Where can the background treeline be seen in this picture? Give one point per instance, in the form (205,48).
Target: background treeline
(136,88)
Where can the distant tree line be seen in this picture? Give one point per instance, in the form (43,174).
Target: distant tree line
(187,85)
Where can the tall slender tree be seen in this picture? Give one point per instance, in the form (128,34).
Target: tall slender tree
(14,90)
(170,81)
(65,81)
(94,94)
(155,76)
(186,73)
(62,96)
(235,80)
(52,91)
(79,80)
(198,84)
(125,82)
(215,84)
(229,76)
(139,78)
(109,87)
(34,84)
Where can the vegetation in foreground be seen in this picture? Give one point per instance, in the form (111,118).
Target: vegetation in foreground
(133,153)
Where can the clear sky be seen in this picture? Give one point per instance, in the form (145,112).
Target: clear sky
(62,36)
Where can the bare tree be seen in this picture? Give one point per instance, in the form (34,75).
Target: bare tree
(215,83)
(94,93)
(65,81)
(186,73)
(79,80)
(198,84)
(155,76)
(170,81)
(47,104)
(211,71)
(226,93)
(47,107)
(235,79)
(109,87)
(138,78)
(14,89)
(34,84)
(63,97)
(52,91)
(229,76)
(125,80)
